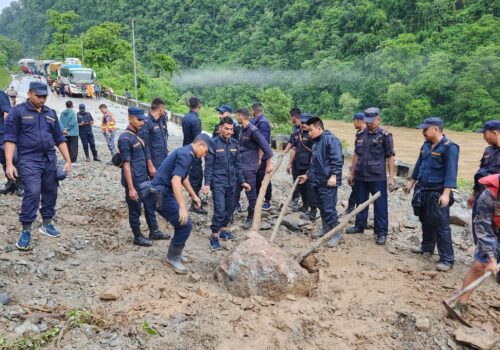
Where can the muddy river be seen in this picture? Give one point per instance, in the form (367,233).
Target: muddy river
(408,142)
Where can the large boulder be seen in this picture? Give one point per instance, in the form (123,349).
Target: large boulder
(483,339)
(257,267)
(460,216)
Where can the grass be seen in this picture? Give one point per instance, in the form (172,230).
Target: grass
(465,185)
(4,78)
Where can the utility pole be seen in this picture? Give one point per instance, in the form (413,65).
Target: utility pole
(135,63)
(81,45)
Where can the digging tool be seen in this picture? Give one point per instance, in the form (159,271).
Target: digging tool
(283,211)
(473,285)
(313,247)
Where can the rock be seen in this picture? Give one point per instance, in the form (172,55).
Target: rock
(26,327)
(475,337)
(194,277)
(266,226)
(257,267)
(293,221)
(460,216)
(110,294)
(201,291)
(4,299)
(423,324)
(310,263)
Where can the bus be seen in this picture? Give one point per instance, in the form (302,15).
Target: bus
(73,62)
(75,77)
(27,65)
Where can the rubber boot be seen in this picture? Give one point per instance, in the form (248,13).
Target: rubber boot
(174,259)
(321,232)
(248,224)
(19,187)
(9,187)
(140,240)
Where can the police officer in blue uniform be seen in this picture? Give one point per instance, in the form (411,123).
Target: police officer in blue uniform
(254,151)
(227,111)
(374,149)
(489,164)
(301,156)
(360,125)
(172,175)
(264,126)
(291,169)
(222,173)
(135,179)
(325,175)
(34,130)
(191,128)
(435,175)
(85,122)
(155,135)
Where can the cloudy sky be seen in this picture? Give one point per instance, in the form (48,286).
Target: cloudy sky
(4,3)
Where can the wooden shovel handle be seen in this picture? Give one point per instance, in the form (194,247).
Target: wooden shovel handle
(283,211)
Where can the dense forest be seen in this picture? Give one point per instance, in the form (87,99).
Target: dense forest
(412,58)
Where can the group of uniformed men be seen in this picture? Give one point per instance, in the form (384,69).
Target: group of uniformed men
(236,158)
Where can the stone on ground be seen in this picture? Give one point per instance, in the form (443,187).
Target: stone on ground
(476,338)
(257,267)
(293,221)
(460,216)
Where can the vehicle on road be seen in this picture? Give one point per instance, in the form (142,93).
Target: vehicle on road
(75,78)
(27,65)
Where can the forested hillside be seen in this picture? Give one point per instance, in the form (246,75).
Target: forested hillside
(412,58)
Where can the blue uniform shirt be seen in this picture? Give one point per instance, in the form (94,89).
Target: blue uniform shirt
(436,168)
(191,127)
(264,126)
(295,130)
(303,145)
(236,131)
(178,163)
(155,135)
(35,134)
(490,164)
(327,159)
(251,140)
(222,167)
(84,117)
(4,108)
(132,149)
(372,149)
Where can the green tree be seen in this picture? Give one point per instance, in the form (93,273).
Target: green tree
(277,104)
(416,111)
(63,24)
(348,105)
(397,98)
(102,44)
(163,64)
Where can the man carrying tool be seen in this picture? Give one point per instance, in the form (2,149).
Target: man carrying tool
(489,164)
(291,169)
(191,128)
(108,128)
(486,225)
(155,134)
(435,175)
(301,155)
(254,150)
(373,152)
(172,175)
(34,130)
(135,176)
(264,126)
(325,175)
(358,120)
(222,172)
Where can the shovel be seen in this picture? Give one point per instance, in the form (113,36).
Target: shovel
(473,285)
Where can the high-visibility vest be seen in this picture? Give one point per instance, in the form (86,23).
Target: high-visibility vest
(110,125)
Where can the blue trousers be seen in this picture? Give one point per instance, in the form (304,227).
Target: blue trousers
(352,196)
(364,189)
(170,212)
(251,179)
(223,207)
(436,227)
(196,175)
(260,176)
(40,184)
(327,202)
(87,138)
(134,212)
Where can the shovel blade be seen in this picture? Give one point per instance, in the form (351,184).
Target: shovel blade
(453,314)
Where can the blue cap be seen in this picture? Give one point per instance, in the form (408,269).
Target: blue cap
(490,125)
(371,114)
(224,108)
(137,112)
(358,116)
(39,88)
(433,121)
(81,106)
(208,141)
(304,117)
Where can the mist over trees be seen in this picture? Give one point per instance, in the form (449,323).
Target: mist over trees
(411,58)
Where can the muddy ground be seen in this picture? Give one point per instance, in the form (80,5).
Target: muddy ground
(367,296)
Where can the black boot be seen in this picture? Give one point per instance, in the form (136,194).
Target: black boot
(174,259)
(19,187)
(350,208)
(155,234)
(381,239)
(140,240)
(199,210)
(248,224)
(9,187)
(96,157)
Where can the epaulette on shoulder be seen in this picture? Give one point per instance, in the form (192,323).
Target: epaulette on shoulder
(385,132)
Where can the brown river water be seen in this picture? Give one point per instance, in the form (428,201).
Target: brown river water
(407,143)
